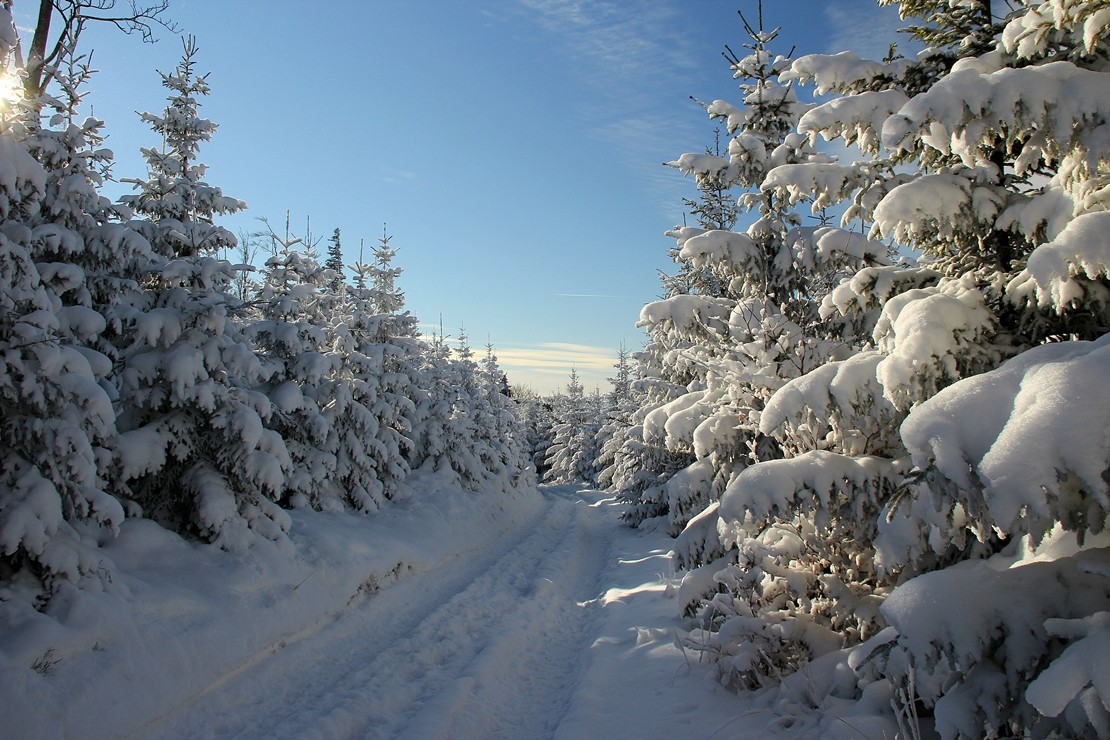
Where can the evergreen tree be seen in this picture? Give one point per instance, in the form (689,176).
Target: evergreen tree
(616,419)
(928,448)
(376,420)
(175,198)
(508,462)
(571,457)
(291,337)
(538,417)
(751,319)
(193,450)
(432,434)
(58,425)
(334,262)
(57,422)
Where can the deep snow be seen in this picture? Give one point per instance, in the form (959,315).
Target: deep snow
(446,615)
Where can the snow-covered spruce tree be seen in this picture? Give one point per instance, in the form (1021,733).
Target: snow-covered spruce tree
(482,437)
(448,440)
(374,408)
(57,422)
(616,419)
(569,459)
(801,528)
(334,262)
(729,282)
(193,449)
(766,328)
(1013,138)
(538,415)
(433,418)
(1001,184)
(68,269)
(174,198)
(291,336)
(509,463)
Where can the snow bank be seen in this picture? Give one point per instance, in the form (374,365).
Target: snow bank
(177,617)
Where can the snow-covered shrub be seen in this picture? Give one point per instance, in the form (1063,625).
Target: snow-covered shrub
(996,651)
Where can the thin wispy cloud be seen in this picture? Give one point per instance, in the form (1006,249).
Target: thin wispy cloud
(396,177)
(626,55)
(861,27)
(555,358)
(612,41)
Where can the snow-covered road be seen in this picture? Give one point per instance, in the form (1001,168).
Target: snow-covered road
(488,645)
(446,615)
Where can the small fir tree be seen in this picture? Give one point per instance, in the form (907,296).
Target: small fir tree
(175,198)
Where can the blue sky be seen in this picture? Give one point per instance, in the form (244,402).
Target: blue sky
(514,147)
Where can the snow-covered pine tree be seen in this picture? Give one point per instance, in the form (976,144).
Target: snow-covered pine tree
(778,274)
(456,424)
(733,308)
(570,458)
(58,422)
(334,262)
(193,449)
(432,433)
(375,413)
(66,271)
(469,448)
(617,419)
(537,414)
(1010,139)
(984,156)
(291,337)
(174,197)
(762,328)
(509,463)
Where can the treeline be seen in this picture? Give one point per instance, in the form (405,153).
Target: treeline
(142,375)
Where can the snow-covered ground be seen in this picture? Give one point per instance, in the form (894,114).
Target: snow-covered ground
(446,615)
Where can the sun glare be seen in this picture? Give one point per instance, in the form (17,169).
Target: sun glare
(11,91)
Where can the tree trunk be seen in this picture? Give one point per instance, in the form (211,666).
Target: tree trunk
(34,83)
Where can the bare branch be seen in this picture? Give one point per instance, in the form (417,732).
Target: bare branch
(74,15)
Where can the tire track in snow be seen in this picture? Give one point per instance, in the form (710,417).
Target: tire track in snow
(521,683)
(470,650)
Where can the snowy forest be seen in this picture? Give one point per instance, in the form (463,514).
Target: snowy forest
(869,415)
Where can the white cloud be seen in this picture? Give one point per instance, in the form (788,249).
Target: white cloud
(555,357)
(546,367)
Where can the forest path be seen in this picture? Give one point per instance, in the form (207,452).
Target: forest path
(493,644)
